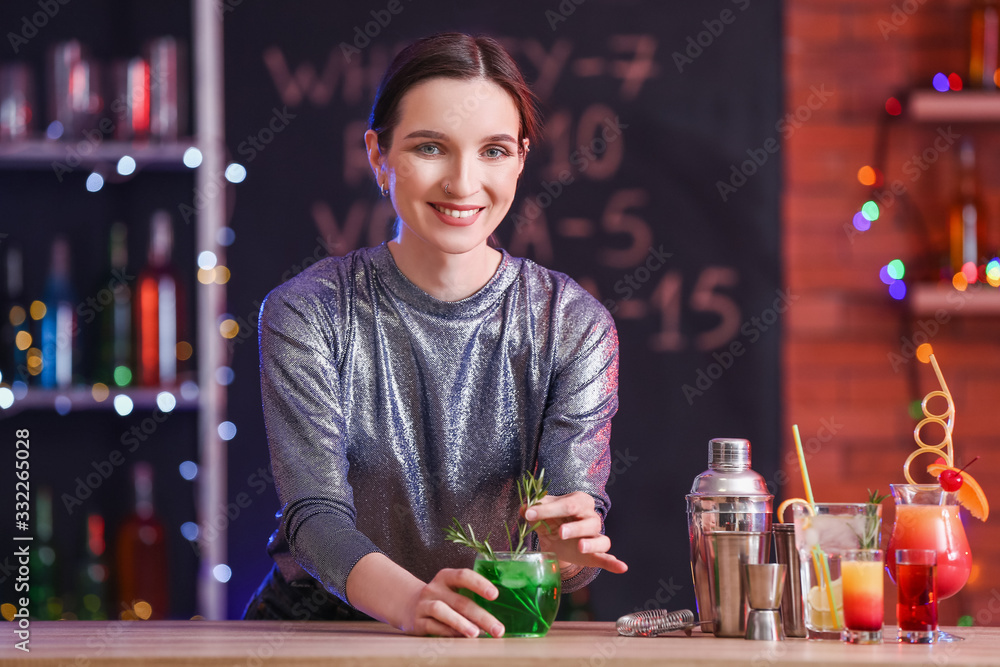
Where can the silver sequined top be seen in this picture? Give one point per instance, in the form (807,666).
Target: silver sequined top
(389,412)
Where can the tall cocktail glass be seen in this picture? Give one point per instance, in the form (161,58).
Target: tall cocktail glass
(823,533)
(916,602)
(927,518)
(861,571)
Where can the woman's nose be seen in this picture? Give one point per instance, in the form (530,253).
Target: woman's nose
(463,177)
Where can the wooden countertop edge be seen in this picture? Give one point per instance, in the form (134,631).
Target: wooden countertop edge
(304,644)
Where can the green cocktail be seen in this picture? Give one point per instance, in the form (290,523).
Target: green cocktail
(529,585)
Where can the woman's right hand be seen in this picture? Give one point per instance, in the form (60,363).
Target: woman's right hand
(439,609)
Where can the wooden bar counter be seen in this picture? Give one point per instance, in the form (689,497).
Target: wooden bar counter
(301,644)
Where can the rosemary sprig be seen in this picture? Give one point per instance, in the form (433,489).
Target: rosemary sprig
(457,533)
(870,538)
(530,491)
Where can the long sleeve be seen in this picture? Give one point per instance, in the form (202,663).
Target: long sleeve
(576,430)
(306,437)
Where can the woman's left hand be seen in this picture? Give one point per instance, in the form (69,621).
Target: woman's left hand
(572,530)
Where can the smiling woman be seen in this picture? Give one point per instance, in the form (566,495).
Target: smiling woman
(417,381)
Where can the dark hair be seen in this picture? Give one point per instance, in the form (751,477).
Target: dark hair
(452,55)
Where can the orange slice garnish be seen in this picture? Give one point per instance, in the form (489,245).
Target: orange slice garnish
(783,506)
(970,496)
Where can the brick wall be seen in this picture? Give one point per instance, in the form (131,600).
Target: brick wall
(840,384)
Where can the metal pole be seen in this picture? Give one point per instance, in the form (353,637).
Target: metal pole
(210,204)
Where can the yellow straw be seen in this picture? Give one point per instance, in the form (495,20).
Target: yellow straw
(822,572)
(802,466)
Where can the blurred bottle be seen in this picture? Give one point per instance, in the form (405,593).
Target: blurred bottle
(142,554)
(92,586)
(115,346)
(984,52)
(967,228)
(59,330)
(46,604)
(15,336)
(158,308)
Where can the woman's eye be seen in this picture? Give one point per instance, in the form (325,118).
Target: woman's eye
(496,152)
(428,149)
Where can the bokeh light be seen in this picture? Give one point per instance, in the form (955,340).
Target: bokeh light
(893,107)
(236,173)
(870,210)
(866,175)
(861,223)
(95,182)
(63,405)
(17,315)
(897,290)
(896,269)
(954,81)
(940,82)
(123,405)
(188,470)
(126,165)
(924,353)
(192,157)
(189,529)
(100,392)
(6,398)
(883,275)
(959,282)
(227,430)
(207,259)
(222,572)
(229,328)
(971,272)
(184,350)
(166,401)
(123,376)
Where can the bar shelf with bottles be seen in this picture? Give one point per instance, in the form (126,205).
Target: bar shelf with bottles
(136,350)
(970,271)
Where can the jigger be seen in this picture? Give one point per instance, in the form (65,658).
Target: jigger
(763,583)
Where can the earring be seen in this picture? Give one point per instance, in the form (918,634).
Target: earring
(384,190)
(446,186)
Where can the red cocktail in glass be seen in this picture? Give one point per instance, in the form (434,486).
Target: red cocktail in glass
(916,602)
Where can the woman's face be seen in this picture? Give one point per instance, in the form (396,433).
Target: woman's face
(462,134)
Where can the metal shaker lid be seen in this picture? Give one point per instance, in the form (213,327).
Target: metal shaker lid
(729,452)
(729,472)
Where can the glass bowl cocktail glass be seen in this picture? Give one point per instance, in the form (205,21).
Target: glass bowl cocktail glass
(529,586)
(927,518)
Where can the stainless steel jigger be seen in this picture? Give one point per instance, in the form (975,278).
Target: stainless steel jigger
(763,583)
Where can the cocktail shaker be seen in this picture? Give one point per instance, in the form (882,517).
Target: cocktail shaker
(729,497)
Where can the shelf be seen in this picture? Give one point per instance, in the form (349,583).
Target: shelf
(927,299)
(143,398)
(41,154)
(967,106)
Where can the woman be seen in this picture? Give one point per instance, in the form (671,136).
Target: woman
(410,383)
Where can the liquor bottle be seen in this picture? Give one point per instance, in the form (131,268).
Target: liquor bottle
(92,587)
(46,605)
(142,553)
(15,335)
(984,54)
(967,228)
(59,330)
(115,345)
(158,307)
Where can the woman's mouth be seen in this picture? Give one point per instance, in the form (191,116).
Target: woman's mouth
(461,217)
